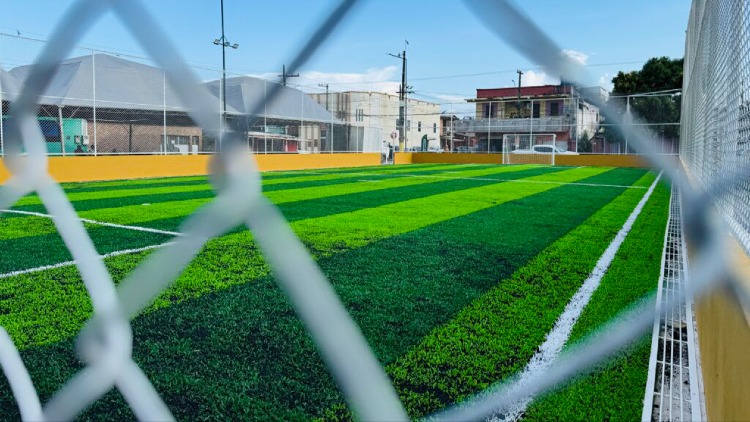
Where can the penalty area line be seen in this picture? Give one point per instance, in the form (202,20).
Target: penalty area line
(550,349)
(98,223)
(71,263)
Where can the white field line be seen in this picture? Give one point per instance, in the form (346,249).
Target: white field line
(71,263)
(558,336)
(527,181)
(432,176)
(648,400)
(99,223)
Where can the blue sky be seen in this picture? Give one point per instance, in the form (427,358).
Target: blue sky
(450,53)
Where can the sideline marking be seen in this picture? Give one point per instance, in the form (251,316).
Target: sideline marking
(69,263)
(528,181)
(550,349)
(500,180)
(99,223)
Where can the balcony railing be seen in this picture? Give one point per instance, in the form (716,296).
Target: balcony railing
(544,124)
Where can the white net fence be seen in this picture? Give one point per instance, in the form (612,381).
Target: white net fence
(715,126)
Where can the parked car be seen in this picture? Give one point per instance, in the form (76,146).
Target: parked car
(543,149)
(464,149)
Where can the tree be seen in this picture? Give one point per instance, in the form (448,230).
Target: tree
(584,143)
(658,74)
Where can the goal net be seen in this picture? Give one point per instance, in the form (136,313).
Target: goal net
(526,148)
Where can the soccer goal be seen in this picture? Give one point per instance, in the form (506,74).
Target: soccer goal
(526,148)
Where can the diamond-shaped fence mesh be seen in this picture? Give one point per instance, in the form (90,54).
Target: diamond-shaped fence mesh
(715,152)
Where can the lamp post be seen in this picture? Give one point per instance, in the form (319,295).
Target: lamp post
(224,43)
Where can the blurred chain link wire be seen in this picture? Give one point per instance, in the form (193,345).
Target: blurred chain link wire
(715,134)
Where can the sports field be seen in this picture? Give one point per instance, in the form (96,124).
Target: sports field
(455,274)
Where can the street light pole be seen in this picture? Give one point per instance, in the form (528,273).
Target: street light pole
(224,43)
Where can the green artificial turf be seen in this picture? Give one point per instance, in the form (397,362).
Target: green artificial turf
(616,389)
(406,260)
(22,253)
(223,340)
(496,335)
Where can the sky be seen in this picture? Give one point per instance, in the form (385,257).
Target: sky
(450,53)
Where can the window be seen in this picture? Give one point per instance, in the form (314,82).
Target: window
(535,110)
(359,115)
(489,110)
(434,128)
(419,126)
(554,108)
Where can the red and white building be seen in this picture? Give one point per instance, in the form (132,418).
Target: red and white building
(546,109)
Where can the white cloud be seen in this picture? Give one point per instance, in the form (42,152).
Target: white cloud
(538,77)
(605,81)
(449,98)
(577,56)
(375,79)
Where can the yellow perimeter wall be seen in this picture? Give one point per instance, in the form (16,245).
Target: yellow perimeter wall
(724,346)
(81,169)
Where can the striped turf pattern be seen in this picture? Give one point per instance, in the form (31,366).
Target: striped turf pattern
(411,250)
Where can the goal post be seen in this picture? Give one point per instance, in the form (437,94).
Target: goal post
(526,148)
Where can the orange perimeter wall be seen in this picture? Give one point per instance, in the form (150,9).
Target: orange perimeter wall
(81,169)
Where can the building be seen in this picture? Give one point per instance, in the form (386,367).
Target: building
(450,139)
(549,109)
(373,117)
(109,105)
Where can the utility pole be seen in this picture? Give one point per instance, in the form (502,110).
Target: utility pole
(330,132)
(224,43)
(403,90)
(518,101)
(285,75)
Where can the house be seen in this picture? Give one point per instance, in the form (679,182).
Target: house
(373,117)
(450,139)
(548,109)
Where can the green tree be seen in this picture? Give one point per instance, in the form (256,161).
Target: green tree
(584,142)
(657,74)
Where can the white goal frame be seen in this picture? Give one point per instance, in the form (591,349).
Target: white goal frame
(513,143)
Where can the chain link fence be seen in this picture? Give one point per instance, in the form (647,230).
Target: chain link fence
(107,103)
(713,116)
(716,128)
